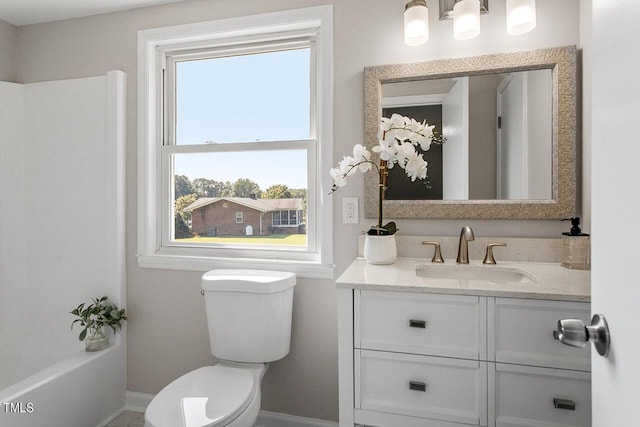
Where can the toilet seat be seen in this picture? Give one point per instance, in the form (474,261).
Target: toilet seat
(209,396)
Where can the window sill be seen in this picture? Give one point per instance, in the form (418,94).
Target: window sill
(304,269)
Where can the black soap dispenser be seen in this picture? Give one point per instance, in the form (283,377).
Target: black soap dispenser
(576,247)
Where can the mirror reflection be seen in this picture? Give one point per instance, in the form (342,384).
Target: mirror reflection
(498,131)
(521,166)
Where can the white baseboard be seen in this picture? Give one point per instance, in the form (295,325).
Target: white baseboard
(274,419)
(138,402)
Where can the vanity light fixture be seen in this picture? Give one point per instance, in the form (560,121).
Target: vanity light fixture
(521,16)
(416,23)
(466,19)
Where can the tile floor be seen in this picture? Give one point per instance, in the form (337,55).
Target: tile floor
(128,419)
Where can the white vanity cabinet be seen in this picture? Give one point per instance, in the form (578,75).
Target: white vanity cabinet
(415,358)
(536,380)
(420,355)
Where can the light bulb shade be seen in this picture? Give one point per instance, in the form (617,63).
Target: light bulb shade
(521,16)
(416,23)
(466,19)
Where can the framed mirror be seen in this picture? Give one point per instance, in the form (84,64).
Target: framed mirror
(510,124)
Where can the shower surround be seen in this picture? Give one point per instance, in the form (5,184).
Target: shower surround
(62,242)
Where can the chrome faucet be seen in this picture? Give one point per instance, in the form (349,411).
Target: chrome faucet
(466,235)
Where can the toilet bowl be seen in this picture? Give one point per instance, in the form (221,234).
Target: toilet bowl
(225,394)
(249,321)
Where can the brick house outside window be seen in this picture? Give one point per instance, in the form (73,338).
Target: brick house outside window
(218,216)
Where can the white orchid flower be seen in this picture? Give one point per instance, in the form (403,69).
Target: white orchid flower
(363,157)
(386,126)
(425,137)
(398,137)
(339,179)
(416,167)
(387,151)
(348,166)
(405,129)
(398,121)
(405,151)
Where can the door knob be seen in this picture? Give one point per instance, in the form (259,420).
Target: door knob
(574,333)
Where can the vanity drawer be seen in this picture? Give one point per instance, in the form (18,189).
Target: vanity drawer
(429,324)
(521,332)
(526,396)
(421,386)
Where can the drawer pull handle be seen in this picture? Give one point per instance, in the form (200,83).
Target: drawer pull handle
(564,404)
(417,386)
(417,323)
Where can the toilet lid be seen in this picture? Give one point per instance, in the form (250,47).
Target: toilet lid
(209,396)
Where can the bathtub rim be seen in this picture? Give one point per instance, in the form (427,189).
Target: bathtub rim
(53,372)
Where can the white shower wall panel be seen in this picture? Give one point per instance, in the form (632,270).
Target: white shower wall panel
(67,206)
(12,226)
(62,243)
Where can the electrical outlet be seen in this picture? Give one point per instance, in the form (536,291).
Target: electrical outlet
(350,210)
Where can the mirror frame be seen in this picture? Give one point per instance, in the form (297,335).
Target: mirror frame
(562,62)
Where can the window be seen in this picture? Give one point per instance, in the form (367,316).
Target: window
(285,218)
(235,128)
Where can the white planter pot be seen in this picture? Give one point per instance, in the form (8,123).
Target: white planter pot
(380,249)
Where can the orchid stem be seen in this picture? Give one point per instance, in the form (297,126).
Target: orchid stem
(384,172)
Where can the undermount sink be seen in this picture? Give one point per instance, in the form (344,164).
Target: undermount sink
(492,274)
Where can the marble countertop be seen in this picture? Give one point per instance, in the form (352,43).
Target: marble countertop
(551,281)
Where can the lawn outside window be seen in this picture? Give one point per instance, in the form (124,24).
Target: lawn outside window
(235,129)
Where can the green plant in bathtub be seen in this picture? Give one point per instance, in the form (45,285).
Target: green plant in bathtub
(95,317)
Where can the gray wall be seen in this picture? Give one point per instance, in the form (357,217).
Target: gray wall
(8,34)
(167,333)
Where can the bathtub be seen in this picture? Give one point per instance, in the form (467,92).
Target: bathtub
(77,390)
(23,356)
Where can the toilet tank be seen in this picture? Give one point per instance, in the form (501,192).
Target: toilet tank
(249,314)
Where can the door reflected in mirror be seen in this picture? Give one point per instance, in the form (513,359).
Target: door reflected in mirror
(498,131)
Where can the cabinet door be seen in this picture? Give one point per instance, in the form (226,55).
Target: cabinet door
(521,332)
(436,325)
(525,396)
(421,386)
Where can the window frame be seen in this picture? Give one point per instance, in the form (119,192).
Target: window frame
(311,26)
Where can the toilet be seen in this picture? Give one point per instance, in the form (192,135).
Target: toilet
(249,321)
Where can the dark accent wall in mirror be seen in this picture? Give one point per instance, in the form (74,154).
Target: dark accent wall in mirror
(398,186)
(510,126)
